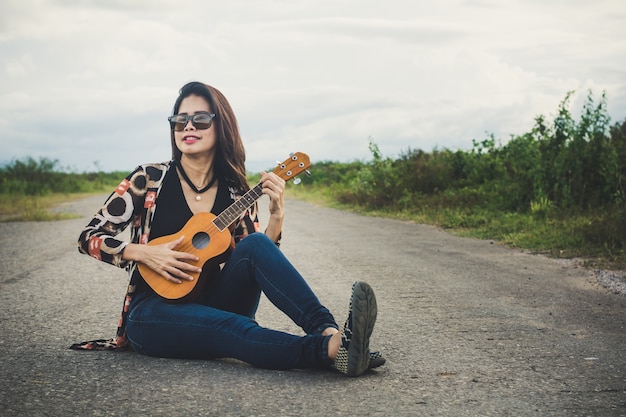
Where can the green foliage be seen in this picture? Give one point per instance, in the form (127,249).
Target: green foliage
(565,179)
(428,173)
(375,184)
(580,161)
(39,178)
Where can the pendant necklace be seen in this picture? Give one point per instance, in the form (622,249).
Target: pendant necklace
(193,187)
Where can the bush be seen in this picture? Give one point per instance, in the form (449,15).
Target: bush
(38,178)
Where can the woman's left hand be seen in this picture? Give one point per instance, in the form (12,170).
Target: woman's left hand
(274,187)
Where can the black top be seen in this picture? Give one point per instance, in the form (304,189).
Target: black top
(173,212)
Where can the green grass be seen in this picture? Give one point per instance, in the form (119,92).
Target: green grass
(542,231)
(25,208)
(29,188)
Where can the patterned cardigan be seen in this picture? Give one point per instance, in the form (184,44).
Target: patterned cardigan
(133,203)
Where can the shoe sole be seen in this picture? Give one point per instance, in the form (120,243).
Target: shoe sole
(364,311)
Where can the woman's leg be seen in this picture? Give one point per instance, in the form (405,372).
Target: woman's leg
(258,265)
(158,328)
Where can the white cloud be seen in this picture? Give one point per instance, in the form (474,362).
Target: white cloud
(95,80)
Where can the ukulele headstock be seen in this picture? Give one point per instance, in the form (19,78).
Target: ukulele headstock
(297,163)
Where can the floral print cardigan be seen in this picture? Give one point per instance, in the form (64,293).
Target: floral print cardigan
(133,203)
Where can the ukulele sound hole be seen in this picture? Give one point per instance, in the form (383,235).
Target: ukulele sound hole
(200,240)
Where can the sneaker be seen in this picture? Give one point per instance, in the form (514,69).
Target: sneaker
(376,359)
(353,357)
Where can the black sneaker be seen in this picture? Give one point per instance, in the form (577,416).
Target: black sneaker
(376,359)
(353,357)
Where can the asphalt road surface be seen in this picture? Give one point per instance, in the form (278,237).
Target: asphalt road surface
(469,328)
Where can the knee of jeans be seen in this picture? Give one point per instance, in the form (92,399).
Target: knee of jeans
(255,240)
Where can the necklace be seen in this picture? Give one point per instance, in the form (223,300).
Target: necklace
(192,185)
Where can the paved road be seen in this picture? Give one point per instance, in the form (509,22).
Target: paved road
(469,329)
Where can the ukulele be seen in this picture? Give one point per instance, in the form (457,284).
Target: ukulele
(209,238)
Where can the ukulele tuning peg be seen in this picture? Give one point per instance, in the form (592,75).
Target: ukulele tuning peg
(296,181)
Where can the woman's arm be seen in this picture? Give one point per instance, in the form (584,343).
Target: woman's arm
(98,238)
(274,187)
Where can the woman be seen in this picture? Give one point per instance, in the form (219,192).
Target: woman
(207,173)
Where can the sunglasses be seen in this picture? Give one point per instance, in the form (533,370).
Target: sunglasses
(200,121)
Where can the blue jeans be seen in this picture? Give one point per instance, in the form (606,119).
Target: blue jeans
(221,323)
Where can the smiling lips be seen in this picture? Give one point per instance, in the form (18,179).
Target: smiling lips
(190,139)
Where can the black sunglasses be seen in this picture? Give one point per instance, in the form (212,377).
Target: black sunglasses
(200,121)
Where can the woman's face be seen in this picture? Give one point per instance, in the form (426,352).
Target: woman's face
(191,140)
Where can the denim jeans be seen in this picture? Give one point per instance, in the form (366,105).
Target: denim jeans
(221,323)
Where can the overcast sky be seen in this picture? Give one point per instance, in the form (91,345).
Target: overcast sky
(91,82)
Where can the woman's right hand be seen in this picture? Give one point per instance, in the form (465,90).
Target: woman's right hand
(163,259)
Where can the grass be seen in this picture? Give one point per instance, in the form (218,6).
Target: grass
(26,208)
(543,232)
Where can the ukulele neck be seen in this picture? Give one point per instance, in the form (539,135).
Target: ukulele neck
(235,210)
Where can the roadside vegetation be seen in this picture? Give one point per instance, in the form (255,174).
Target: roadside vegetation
(558,189)
(29,188)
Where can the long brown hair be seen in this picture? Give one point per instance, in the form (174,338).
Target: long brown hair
(230,155)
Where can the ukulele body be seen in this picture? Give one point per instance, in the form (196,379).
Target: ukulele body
(201,238)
